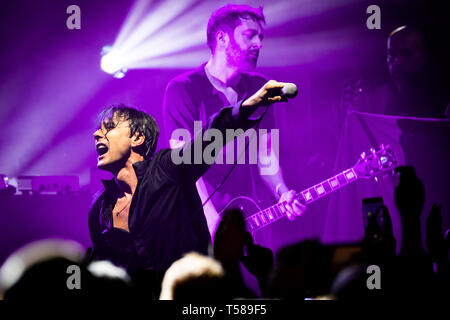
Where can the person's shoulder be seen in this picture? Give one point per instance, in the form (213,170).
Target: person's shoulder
(161,167)
(159,158)
(188,78)
(159,154)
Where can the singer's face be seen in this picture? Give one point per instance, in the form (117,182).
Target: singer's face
(113,144)
(244,45)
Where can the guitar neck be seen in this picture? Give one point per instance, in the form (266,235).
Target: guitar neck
(271,214)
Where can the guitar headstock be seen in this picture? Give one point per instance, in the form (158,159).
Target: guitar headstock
(375,162)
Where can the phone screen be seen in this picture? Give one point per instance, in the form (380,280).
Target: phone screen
(373,218)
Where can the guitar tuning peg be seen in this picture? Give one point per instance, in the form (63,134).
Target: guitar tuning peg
(363,155)
(372,150)
(376,179)
(382,146)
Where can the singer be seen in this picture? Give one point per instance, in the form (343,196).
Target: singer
(234,36)
(150,213)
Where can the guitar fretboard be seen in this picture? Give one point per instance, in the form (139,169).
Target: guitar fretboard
(271,214)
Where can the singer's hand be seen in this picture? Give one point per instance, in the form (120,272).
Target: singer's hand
(267,95)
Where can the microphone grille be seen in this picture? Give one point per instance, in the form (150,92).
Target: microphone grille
(289,90)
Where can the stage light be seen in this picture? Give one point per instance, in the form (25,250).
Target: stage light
(112,62)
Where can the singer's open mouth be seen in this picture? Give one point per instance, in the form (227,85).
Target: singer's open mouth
(101,149)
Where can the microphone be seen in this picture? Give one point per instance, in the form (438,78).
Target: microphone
(289,90)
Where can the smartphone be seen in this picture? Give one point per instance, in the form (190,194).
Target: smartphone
(373,218)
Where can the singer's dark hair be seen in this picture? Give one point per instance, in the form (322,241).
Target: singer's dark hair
(139,122)
(227,18)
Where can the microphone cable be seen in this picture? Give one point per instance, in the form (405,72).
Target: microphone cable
(239,157)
